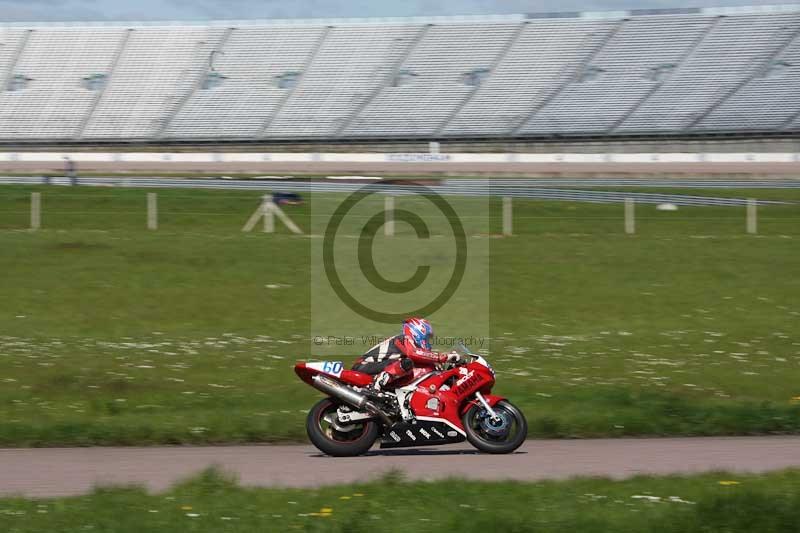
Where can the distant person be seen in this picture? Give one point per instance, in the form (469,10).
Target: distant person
(71,171)
(287,198)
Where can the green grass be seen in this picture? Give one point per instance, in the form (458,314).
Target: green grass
(784,195)
(111,334)
(213,502)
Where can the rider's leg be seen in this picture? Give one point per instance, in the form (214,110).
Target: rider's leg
(396,369)
(371,367)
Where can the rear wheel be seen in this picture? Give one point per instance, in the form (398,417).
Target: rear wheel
(335,439)
(502,435)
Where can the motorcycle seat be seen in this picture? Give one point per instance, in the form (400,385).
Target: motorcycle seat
(354,377)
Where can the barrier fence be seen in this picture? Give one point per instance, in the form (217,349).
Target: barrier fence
(107,211)
(464,187)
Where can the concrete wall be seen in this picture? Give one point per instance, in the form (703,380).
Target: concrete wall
(786,164)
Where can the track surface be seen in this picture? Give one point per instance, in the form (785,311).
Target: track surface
(54,472)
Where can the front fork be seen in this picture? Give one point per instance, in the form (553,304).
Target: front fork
(492,413)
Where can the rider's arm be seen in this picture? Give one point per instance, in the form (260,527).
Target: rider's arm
(419,356)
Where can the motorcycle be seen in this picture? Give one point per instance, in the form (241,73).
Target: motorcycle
(447,404)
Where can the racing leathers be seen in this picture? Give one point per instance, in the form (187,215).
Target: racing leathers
(395,358)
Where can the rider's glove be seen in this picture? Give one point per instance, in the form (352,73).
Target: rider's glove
(452,357)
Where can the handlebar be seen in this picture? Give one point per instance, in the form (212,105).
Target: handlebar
(465,357)
(453,364)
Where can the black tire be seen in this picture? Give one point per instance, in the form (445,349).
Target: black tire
(335,443)
(488,443)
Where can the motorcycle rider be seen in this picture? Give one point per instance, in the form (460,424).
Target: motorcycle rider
(396,356)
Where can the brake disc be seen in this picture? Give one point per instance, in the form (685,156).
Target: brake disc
(497,427)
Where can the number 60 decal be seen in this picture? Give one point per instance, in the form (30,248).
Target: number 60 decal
(333,367)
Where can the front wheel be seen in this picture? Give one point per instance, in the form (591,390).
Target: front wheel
(334,439)
(502,435)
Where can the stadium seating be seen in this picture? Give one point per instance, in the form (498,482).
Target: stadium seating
(617,73)
(251,61)
(733,56)
(348,69)
(435,82)
(154,70)
(544,57)
(657,72)
(50,95)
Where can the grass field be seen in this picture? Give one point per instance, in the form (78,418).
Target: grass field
(113,334)
(211,502)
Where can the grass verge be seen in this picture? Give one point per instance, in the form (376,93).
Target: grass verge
(213,502)
(110,334)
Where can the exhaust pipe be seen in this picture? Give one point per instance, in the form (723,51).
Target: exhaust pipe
(348,395)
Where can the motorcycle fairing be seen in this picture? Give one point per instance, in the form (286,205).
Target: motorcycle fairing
(434,400)
(419,433)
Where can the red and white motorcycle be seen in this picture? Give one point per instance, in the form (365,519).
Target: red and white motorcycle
(448,404)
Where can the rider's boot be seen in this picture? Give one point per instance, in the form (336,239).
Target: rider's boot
(396,369)
(380,381)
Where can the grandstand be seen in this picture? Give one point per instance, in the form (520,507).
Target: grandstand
(676,73)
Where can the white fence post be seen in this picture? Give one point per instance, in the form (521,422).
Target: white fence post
(36,210)
(630,216)
(388,209)
(752,216)
(508,220)
(269,216)
(152,211)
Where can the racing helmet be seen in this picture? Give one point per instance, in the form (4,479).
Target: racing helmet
(419,331)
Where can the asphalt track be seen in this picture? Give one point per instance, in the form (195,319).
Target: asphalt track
(53,472)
